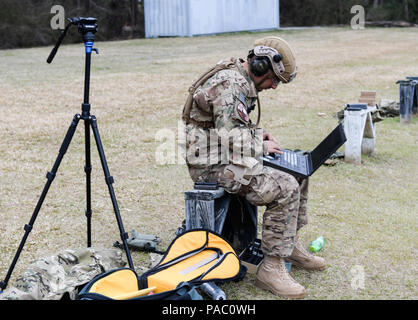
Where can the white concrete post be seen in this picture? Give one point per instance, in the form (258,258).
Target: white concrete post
(361,134)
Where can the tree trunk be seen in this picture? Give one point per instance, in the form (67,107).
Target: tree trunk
(340,12)
(87,6)
(134,12)
(406,9)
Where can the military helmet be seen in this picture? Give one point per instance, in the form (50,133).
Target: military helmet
(286,68)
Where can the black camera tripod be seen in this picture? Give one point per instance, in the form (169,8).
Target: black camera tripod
(87,27)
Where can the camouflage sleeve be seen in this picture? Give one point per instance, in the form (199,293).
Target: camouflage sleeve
(238,135)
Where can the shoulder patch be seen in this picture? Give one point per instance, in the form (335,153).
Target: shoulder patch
(242,112)
(241,97)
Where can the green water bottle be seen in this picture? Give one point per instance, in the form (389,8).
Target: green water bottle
(317,244)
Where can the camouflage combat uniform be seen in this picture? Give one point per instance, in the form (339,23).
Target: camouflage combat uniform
(222,144)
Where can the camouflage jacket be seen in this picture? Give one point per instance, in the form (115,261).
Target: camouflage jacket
(225,100)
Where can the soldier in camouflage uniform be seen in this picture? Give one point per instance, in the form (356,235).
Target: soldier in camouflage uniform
(223,145)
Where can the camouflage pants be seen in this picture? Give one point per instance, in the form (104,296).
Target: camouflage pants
(285,199)
(284,196)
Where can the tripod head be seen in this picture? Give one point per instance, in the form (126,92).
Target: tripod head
(86,26)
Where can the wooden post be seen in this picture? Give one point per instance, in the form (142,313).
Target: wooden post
(368,97)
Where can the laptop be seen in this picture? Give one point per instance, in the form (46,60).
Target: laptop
(304,165)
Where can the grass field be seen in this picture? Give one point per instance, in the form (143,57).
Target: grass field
(367,213)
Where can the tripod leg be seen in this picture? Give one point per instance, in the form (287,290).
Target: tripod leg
(109,182)
(50,176)
(87,170)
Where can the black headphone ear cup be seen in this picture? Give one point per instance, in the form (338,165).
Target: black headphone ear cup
(260,66)
(277,58)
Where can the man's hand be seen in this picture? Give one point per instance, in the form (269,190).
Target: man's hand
(269,137)
(273,147)
(272,144)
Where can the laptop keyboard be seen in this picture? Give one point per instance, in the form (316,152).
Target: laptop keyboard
(289,159)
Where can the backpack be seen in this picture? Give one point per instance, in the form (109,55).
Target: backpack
(193,258)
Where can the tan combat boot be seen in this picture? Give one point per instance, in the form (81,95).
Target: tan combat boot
(300,257)
(272,275)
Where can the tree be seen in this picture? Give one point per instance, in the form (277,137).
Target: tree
(406,10)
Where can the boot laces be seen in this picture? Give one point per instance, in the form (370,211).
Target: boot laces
(281,271)
(284,274)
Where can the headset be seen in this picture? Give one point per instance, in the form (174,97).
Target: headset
(260,65)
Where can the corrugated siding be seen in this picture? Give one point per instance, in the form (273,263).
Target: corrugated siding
(196,17)
(166,18)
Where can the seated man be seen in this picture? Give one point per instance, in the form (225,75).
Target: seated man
(223,145)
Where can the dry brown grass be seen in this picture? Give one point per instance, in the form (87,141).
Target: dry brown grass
(367,213)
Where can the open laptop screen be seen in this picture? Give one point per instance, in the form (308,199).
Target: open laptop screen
(328,146)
